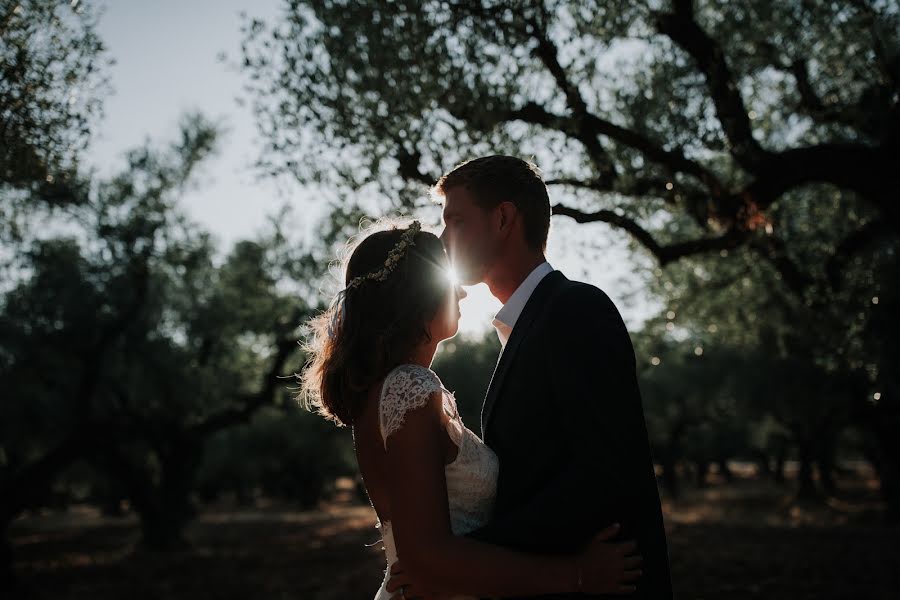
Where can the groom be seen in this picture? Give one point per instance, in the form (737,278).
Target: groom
(563,411)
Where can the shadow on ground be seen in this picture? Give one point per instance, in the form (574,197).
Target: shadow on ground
(743,540)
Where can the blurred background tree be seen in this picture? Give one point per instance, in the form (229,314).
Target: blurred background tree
(52,83)
(807,351)
(124,345)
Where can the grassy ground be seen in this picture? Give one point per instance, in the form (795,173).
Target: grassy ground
(748,539)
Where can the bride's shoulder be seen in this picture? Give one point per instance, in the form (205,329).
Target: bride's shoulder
(411,374)
(405,388)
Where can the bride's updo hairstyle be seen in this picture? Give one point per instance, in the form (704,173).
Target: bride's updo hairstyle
(395,282)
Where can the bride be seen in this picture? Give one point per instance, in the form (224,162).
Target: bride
(429,478)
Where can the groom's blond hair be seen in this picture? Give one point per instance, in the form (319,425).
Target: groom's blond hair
(495,179)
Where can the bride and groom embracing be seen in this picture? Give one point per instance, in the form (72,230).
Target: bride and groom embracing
(558,498)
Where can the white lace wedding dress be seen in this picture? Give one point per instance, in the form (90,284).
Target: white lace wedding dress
(471,477)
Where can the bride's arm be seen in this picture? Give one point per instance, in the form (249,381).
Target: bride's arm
(420,520)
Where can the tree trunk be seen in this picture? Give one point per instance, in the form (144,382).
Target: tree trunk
(886,461)
(28,485)
(111,506)
(702,472)
(780,461)
(725,470)
(764,469)
(167,513)
(670,476)
(163,506)
(890,491)
(671,454)
(8,581)
(806,484)
(825,467)
(162,530)
(163,516)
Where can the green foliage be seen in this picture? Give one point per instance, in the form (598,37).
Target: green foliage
(684,119)
(287,453)
(800,340)
(51,86)
(129,339)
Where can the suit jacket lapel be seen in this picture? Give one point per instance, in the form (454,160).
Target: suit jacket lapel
(529,312)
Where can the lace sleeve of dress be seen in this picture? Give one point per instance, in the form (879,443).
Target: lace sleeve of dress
(405,388)
(454,422)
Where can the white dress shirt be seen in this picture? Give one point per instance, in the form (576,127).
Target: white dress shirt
(506,318)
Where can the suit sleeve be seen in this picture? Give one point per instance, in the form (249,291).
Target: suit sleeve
(592,369)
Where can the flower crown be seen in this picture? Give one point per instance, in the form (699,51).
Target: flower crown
(394,256)
(390,263)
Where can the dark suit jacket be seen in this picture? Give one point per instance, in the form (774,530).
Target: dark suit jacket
(563,414)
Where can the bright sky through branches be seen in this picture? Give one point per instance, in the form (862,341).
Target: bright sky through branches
(167,63)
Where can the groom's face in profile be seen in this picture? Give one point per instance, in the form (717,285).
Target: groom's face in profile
(468,235)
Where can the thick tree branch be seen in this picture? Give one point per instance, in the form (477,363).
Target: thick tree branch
(585,130)
(869,171)
(582,125)
(808,97)
(664,254)
(681,27)
(408,166)
(874,173)
(250,404)
(638,187)
(670,159)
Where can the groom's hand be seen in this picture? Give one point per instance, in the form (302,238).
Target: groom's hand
(407,587)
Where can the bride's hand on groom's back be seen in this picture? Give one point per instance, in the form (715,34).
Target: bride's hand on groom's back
(608,567)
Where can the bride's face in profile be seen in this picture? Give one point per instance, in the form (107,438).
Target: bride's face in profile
(445,324)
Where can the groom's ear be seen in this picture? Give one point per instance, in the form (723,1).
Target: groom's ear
(507,216)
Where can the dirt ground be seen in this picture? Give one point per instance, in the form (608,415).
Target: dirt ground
(747,539)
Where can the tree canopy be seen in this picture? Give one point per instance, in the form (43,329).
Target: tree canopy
(681,123)
(52,83)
